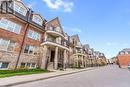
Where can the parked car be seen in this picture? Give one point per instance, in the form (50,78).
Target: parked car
(129,66)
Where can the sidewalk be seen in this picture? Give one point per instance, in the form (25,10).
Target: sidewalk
(15,80)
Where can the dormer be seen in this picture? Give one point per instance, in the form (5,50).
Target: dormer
(37,19)
(19,7)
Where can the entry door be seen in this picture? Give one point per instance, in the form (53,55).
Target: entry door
(52,56)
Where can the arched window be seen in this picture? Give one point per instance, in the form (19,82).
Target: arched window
(37,19)
(20,8)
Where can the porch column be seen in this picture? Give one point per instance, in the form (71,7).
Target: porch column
(85,62)
(56,58)
(65,59)
(82,58)
(44,58)
(77,60)
(46,35)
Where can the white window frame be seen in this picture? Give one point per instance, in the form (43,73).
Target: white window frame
(6,49)
(39,21)
(6,27)
(18,9)
(30,49)
(30,65)
(2,63)
(35,35)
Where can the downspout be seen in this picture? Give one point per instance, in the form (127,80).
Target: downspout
(24,37)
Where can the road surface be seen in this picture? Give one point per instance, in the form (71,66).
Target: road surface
(108,76)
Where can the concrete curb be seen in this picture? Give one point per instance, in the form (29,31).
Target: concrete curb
(23,82)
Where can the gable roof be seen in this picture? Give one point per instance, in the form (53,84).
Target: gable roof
(76,36)
(56,19)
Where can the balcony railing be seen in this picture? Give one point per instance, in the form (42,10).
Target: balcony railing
(55,30)
(54,41)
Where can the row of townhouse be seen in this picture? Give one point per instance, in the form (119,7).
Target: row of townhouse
(84,56)
(27,39)
(123,58)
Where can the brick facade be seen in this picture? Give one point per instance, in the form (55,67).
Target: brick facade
(21,40)
(124,60)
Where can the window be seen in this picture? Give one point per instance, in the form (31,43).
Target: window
(37,19)
(11,46)
(4,65)
(122,53)
(7,45)
(4,44)
(33,65)
(23,65)
(20,9)
(29,49)
(34,35)
(58,29)
(10,26)
(28,65)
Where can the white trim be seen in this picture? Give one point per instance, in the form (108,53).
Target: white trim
(8,42)
(7,25)
(2,63)
(55,32)
(33,50)
(35,35)
(18,9)
(55,44)
(39,21)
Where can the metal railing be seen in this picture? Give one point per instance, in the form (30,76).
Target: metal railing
(54,29)
(54,41)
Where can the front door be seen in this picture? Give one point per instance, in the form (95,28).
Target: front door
(52,56)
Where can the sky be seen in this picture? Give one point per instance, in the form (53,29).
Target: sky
(103,24)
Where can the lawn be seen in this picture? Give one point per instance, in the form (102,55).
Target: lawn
(8,73)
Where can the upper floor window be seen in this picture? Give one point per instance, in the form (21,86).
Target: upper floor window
(7,45)
(10,26)
(37,19)
(58,29)
(34,35)
(20,9)
(50,27)
(122,53)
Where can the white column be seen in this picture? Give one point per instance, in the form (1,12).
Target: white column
(56,58)
(65,58)
(85,61)
(82,60)
(46,36)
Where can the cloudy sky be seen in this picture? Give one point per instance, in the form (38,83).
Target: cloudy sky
(104,24)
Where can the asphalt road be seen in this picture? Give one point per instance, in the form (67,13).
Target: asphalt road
(108,76)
